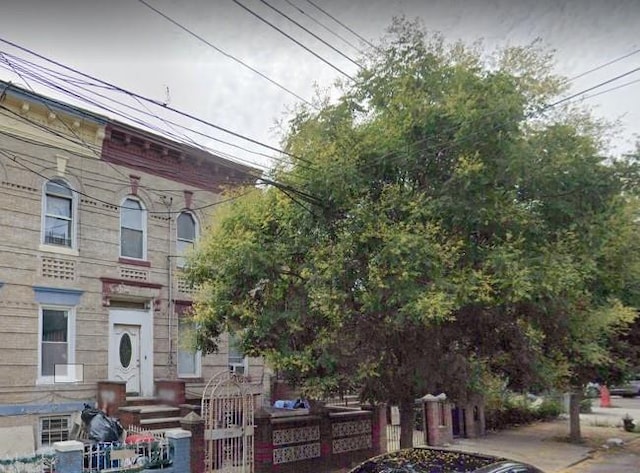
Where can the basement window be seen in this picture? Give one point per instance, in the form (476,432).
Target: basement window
(54,429)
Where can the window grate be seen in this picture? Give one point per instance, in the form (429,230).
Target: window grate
(54,429)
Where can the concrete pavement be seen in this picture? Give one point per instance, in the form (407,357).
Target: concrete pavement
(544,444)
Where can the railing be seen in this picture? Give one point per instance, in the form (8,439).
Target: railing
(33,464)
(127,457)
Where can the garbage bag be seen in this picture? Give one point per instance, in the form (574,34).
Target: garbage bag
(88,413)
(101,427)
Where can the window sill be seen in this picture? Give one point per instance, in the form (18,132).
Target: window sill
(61,250)
(59,380)
(134,262)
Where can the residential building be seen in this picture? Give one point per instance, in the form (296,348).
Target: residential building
(95,219)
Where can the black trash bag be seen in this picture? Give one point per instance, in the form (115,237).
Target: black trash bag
(88,413)
(101,427)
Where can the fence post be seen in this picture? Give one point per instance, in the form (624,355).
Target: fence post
(181,441)
(193,423)
(69,456)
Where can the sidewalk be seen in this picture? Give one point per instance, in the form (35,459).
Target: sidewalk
(543,444)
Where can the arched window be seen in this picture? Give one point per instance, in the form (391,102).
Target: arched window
(58,226)
(133,229)
(186,236)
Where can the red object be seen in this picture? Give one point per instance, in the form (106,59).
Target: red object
(605,397)
(137,438)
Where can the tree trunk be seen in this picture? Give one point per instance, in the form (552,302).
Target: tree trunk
(406,423)
(574,417)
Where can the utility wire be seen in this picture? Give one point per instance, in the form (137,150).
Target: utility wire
(602,66)
(63,77)
(606,91)
(149,100)
(341,24)
(322,25)
(14,158)
(597,86)
(292,39)
(224,53)
(311,33)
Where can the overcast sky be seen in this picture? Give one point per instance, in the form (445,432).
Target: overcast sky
(125,43)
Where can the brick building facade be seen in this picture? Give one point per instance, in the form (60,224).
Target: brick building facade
(94,218)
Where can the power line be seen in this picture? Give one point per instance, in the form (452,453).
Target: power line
(292,39)
(224,53)
(149,100)
(341,24)
(601,66)
(606,91)
(632,71)
(322,25)
(14,158)
(51,85)
(311,33)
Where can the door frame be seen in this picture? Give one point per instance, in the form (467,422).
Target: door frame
(144,319)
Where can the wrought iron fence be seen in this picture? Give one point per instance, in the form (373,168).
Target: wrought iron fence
(142,449)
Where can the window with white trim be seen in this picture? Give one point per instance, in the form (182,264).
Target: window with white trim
(187,230)
(133,229)
(59,209)
(54,429)
(57,344)
(188,356)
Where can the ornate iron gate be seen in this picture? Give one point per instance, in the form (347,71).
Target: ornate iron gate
(227,410)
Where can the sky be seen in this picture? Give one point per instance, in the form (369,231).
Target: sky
(127,44)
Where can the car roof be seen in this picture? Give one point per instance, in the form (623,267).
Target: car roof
(507,466)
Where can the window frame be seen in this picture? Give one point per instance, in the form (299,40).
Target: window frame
(67,417)
(180,259)
(234,365)
(74,217)
(197,356)
(143,210)
(71,344)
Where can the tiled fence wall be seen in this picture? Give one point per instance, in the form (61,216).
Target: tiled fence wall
(318,442)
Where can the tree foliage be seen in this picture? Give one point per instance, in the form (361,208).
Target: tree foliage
(432,226)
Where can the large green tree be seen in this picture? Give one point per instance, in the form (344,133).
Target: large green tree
(434,223)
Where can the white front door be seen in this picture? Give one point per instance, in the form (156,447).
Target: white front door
(126,356)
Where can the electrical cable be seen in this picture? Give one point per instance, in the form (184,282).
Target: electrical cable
(311,33)
(322,25)
(309,50)
(592,88)
(148,100)
(87,100)
(601,66)
(361,38)
(626,84)
(224,53)
(155,212)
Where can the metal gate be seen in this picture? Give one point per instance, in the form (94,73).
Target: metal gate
(227,410)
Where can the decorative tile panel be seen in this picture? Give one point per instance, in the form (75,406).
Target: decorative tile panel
(350,444)
(296,453)
(184,286)
(296,435)
(55,268)
(134,274)
(345,429)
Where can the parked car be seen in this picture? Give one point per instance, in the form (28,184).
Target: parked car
(430,460)
(628,389)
